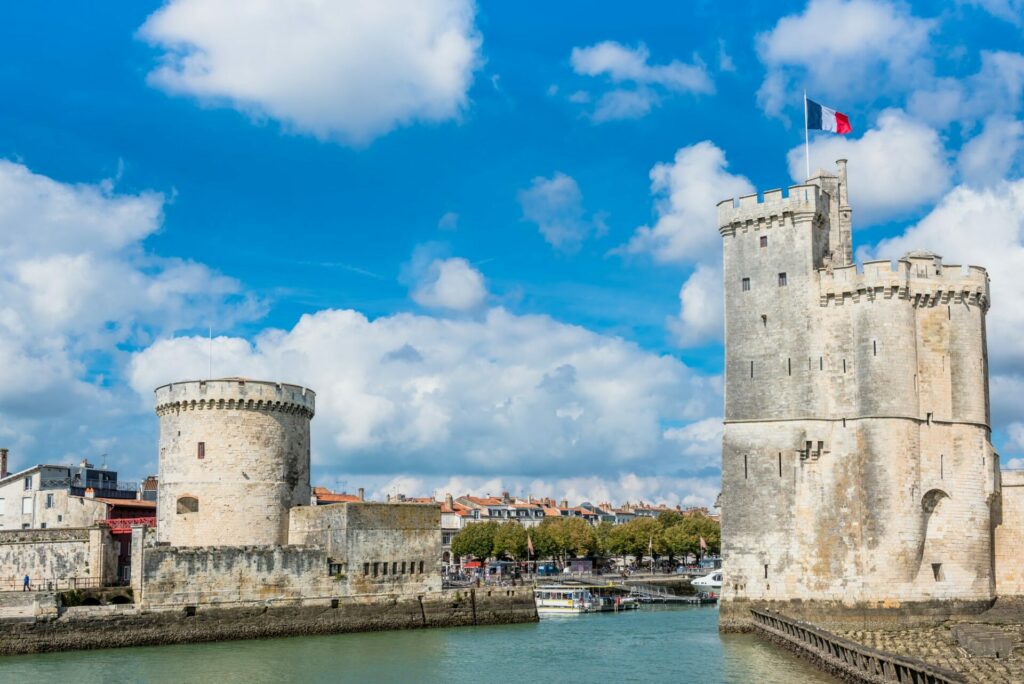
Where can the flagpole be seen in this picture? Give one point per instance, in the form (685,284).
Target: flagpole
(807,140)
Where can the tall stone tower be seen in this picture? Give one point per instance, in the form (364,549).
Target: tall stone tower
(234,457)
(857,473)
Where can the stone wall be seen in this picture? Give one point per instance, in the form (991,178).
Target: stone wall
(380,547)
(1009,536)
(119,626)
(856,463)
(53,556)
(234,457)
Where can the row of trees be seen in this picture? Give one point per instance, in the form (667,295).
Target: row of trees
(671,535)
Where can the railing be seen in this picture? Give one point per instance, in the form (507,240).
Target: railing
(124,525)
(49,583)
(866,664)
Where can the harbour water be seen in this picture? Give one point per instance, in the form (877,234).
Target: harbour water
(653,644)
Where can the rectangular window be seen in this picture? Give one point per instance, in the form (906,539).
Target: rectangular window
(821,363)
(384,569)
(751,369)
(421,567)
(766,571)
(28,483)
(764,240)
(745,284)
(403,567)
(394,568)
(789,365)
(49,500)
(366,569)
(780,464)
(744,466)
(201,450)
(26,506)
(42,525)
(376,568)
(844,365)
(821,447)
(874,346)
(782,280)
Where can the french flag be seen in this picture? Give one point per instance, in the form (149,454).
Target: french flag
(824,119)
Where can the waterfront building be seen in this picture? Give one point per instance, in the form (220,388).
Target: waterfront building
(858,477)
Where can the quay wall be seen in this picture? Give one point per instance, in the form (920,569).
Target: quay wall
(119,626)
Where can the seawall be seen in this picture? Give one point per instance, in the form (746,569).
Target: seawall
(115,626)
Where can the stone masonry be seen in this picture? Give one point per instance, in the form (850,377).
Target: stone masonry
(234,458)
(857,472)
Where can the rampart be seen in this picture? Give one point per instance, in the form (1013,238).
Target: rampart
(1009,535)
(56,558)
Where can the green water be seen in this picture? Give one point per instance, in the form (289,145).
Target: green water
(648,645)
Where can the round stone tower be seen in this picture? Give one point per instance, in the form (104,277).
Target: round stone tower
(234,457)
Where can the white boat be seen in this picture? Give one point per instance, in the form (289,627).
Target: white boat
(710,584)
(564,600)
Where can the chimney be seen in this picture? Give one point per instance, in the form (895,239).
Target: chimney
(90,493)
(449,501)
(3,463)
(361,493)
(564,504)
(505,498)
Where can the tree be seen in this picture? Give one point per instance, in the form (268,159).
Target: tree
(603,534)
(476,540)
(680,539)
(581,539)
(510,540)
(669,518)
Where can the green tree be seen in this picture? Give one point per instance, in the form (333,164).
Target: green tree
(680,539)
(581,539)
(603,534)
(510,540)
(669,518)
(476,540)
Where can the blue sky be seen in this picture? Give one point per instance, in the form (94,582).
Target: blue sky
(487,240)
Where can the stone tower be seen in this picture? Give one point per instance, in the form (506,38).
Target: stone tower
(234,457)
(857,473)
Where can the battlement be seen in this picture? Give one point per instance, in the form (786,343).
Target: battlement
(772,206)
(918,276)
(235,393)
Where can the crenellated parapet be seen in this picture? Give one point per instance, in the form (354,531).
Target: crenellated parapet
(235,394)
(771,208)
(917,277)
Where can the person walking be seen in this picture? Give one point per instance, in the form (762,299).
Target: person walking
(25,584)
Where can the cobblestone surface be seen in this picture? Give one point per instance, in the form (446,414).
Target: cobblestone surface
(937,645)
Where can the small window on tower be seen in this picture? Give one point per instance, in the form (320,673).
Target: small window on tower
(782,280)
(201,450)
(764,240)
(745,283)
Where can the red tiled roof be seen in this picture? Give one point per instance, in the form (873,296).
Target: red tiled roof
(127,503)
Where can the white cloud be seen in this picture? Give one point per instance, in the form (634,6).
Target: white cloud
(448,221)
(501,394)
(879,47)
(76,287)
(556,205)
(896,167)
(686,192)
(995,90)
(1007,10)
(1015,432)
(988,157)
(984,227)
(629,66)
(450,284)
(700,308)
(350,71)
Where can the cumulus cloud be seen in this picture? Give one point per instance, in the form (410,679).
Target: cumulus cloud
(637,81)
(896,167)
(76,285)
(984,227)
(881,47)
(493,396)
(448,221)
(700,308)
(349,71)
(450,284)
(995,90)
(989,157)
(686,192)
(1007,10)
(556,205)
